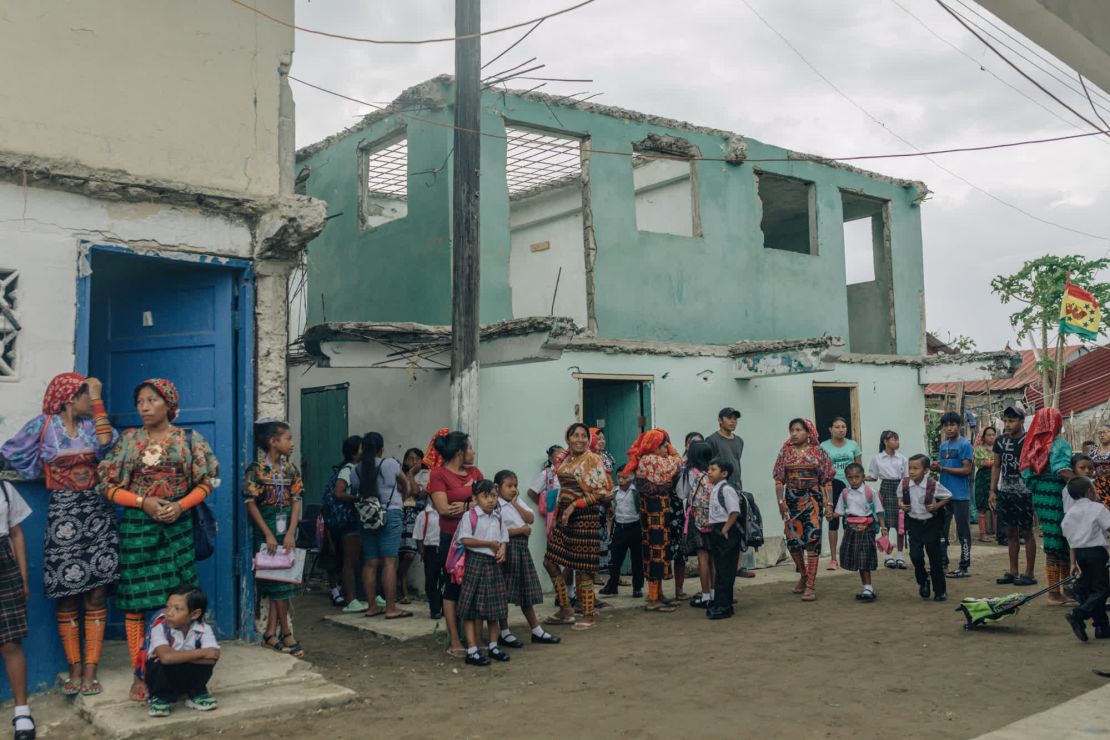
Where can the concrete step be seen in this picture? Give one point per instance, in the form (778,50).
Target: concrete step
(249,682)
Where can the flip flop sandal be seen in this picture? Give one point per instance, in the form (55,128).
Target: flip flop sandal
(375,614)
(405,601)
(399,615)
(558,620)
(276,644)
(93,688)
(71,687)
(583,626)
(664,609)
(957,574)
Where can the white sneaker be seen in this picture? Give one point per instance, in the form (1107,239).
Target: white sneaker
(355,606)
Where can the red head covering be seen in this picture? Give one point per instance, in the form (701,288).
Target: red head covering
(432,458)
(62,389)
(168,392)
(645,444)
(594,432)
(1038,441)
(811,430)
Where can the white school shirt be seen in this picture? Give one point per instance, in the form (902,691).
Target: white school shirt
(889,467)
(198,636)
(719,514)
(1086,523)
(510,516)
(426,529)
(853,502)
(624,511)
(545,480)
(13,509)
(917,498)
(489,527)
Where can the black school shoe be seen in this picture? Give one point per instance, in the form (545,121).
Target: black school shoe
(924,590)
(499,655)
(608,591)
(1102,633)
(24,734)
(718,613)
(511,641)
(477,659)
(547,639)
(1077,625)
(940,597)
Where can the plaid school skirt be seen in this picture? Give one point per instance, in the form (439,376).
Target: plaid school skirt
(13,602)
(857,549)
(889,491)
(521,582)
(483,594)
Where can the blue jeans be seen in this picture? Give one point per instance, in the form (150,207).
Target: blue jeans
(385,542)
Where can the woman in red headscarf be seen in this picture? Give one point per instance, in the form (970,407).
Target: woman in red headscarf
(157,473)
(656,465)
(81,548)
(803,472)
(1045,465)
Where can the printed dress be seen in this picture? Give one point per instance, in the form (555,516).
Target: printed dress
(273,489)
(81,543)
(655,482)
(803,471)
(1102,475)
(603,515)
(155,557)
(577,544)
(981,456)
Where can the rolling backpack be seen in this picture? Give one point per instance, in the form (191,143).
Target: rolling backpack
(456,554)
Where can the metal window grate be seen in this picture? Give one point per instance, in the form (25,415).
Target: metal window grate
(388,171)
(9,321)
(534,160)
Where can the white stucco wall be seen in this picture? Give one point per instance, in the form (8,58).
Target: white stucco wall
(40,231)
(186,92)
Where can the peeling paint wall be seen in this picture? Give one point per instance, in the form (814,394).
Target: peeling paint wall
(184,92)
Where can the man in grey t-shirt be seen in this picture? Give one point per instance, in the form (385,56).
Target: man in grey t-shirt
(727,445)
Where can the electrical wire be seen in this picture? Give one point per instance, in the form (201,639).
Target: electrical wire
(876,120)
(700,158)
(515,43)
(408,42)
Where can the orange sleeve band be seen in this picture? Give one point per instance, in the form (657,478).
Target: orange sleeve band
(195,496)
(123,497)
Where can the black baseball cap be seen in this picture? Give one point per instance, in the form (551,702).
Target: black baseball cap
(1013,412)
(728,413)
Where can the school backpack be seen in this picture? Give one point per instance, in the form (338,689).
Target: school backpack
(456,554)
(336,514)
(930,491)
(752,531)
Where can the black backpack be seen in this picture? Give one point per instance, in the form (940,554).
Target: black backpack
(752,531)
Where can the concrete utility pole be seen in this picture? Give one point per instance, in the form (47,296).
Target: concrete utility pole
(465,247)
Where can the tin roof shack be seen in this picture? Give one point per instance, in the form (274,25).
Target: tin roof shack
(692,269)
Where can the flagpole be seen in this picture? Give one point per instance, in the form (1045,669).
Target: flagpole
(1059,354)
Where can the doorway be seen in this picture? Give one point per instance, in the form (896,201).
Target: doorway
(620,406)
(323,429)
(152,317)
(831,400)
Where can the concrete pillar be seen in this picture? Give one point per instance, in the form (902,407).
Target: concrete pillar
(271,320)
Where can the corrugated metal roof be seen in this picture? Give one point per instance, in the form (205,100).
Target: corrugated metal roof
(1026,375)
(1086,383)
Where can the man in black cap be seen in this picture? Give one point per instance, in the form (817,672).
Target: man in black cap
(1011,499)
(727,445)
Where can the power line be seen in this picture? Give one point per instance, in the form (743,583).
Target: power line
(870,115)
(515,43)
(407,42)
(699,158)
(983,67)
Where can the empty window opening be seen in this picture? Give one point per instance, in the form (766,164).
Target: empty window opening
(10,326)
(789,218)
(547,222)
(867,269)
(384,171)
(666,193)
(859,251)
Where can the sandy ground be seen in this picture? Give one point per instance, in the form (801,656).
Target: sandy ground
(898,667)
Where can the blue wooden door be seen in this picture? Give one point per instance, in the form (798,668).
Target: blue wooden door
(156,318)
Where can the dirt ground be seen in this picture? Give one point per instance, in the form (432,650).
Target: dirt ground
(898,667)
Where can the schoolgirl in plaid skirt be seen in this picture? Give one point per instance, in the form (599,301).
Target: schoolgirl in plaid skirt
(862,512)
(483,595)
(13,602)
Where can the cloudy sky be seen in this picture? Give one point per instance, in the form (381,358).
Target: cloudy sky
(713,62)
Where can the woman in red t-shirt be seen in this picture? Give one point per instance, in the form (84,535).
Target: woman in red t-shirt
(449,487)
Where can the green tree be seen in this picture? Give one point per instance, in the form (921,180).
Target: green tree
(1039,286)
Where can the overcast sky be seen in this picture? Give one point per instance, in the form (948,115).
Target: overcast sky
(712,62)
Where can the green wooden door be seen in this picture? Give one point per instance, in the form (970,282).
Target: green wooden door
(323,429)
(621,408)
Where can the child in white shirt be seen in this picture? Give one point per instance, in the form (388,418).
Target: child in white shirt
(862,511)
(426,534)
(1085,526)
(921,498)
(889,468)
(724,537)
(483,595)
(181,653)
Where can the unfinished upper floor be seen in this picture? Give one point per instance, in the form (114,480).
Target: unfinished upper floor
(636,227)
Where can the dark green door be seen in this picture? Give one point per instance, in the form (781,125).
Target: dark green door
(323,429)
(620,408)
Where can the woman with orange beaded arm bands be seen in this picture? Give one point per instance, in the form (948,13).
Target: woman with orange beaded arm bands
(157,473)
(63,445)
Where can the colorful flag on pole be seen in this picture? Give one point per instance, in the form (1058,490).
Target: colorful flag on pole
(1079,313)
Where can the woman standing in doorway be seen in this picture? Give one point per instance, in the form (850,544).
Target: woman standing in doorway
(803,476)
(157,473)
(575,543)
(450,486)
(81,550)
(843,452)
(381,476)
(656,465)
